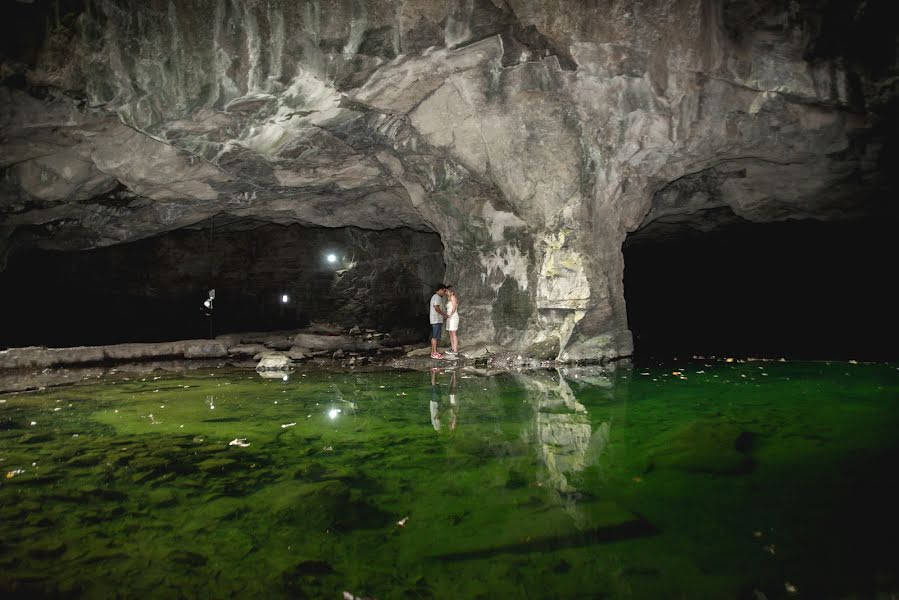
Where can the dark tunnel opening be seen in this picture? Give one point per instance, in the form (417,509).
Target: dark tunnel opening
(796,289)
(267,277)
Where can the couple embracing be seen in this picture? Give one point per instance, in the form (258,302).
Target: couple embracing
(440,312)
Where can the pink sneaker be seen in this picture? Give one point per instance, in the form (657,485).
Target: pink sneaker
(436,355)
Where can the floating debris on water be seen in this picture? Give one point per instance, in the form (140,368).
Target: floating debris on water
(239,442)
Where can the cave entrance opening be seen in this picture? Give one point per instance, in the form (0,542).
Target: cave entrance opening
(267,277)
(794,289)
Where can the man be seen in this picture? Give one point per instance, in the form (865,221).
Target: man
(437,314)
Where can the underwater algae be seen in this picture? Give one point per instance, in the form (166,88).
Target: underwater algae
(721,481)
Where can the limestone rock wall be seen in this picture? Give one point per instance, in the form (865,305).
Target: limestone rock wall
(532,136)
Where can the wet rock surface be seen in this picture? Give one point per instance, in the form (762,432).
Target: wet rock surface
(532,136)
(337,349)
(274,361)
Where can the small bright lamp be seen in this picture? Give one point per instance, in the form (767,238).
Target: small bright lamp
(332,258)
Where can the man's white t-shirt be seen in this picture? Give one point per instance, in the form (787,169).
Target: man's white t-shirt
(436,317)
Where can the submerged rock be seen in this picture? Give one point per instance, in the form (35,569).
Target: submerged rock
(187,557)
(323,505)
(319,505)
(705,447)
(47,549)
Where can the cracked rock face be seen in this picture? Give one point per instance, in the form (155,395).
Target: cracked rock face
(531,136)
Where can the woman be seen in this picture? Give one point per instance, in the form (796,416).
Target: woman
(452,318)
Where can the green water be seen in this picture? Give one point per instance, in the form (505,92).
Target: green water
(740,480)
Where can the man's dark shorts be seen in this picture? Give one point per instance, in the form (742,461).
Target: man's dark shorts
(435,330)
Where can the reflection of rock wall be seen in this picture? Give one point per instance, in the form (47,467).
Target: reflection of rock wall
(564,440)
(568,443)
(563,428)
(531,136)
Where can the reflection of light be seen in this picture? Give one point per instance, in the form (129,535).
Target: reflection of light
(332,258)
(284,298)
(333,413)
(286,377)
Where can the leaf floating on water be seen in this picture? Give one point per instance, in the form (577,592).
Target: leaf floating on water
(402,522)
(286,425)
(240,442)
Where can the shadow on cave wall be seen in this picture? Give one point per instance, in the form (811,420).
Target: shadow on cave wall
(153,289)
(798,289)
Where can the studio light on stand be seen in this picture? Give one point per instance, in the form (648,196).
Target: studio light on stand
(207,305)
(207,310)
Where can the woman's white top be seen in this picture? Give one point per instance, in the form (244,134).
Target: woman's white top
(452,323)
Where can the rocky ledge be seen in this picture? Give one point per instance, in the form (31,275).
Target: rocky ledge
(320,345)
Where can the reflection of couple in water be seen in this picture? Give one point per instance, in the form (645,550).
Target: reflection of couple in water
(438,407)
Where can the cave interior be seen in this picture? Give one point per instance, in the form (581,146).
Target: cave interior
(595,187)
(793,289)
(266,277)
